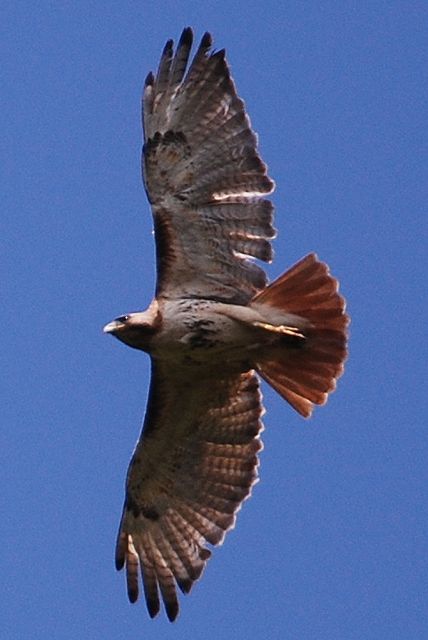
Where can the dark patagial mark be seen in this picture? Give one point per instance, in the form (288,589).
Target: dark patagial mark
(164,247)
(147,511)
(164,139)
(150,513)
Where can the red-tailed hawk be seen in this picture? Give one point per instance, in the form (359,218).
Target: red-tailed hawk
(213,327)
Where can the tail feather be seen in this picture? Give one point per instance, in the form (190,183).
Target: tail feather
(305,375)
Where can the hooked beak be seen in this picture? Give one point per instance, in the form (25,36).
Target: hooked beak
(113,326)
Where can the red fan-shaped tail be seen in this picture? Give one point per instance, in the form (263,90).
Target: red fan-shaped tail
(303,369)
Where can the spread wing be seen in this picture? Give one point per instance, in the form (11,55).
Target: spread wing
(193,466)
(204,179)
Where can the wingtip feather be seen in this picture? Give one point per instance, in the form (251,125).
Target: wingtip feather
(132,566)
(153,607)
(206,40)
(120,554)
(169,46)
(171,609)
(150,78)
(186,37)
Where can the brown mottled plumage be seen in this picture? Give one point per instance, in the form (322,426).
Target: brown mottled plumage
(213,325)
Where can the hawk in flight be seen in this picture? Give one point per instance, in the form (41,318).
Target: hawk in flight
(214,326)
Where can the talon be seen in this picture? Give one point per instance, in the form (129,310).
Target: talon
(282,328)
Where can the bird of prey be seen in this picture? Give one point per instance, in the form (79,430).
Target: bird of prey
(214,326)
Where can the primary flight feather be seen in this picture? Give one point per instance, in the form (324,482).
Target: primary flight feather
(213,327)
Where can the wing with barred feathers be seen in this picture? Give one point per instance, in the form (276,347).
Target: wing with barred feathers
(193,466)
(204,178)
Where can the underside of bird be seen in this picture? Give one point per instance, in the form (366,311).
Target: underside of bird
(214,324)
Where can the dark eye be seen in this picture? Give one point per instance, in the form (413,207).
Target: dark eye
(122,318)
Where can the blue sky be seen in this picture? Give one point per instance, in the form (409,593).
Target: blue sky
(332,542)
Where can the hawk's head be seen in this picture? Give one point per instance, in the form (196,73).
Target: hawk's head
(136,329)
